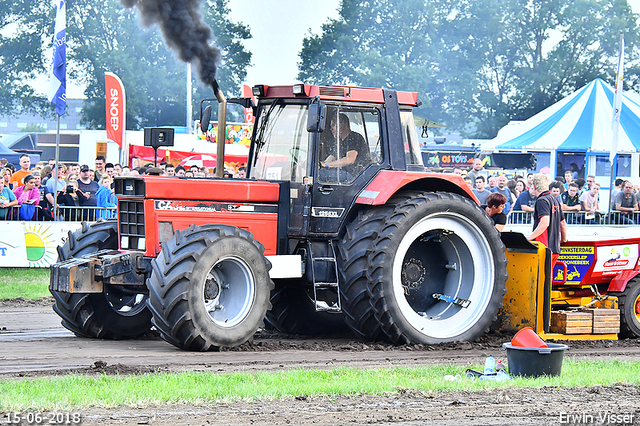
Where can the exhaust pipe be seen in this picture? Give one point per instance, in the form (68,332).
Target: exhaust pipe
(222,128)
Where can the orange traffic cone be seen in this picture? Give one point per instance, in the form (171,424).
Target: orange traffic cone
(527,338)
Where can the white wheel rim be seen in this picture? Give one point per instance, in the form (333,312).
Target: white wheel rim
(466,246)
(235,291)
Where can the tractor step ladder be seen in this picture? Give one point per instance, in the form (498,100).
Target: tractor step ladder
(329,260)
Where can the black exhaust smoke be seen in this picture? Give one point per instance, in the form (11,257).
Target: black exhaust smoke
(184,31)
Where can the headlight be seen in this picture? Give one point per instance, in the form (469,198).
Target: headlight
(298,89)
(258,91)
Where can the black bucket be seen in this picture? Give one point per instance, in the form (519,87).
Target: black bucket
(535,362)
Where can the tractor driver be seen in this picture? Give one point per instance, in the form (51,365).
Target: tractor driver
(354,153)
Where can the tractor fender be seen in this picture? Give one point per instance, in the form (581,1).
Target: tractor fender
(388,182)
(619,282)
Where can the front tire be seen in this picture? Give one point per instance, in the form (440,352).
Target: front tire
(209,287)
(420,246)
(116,313)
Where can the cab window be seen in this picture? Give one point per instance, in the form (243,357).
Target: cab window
(350,143)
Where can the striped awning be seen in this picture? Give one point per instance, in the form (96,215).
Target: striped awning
(581,122)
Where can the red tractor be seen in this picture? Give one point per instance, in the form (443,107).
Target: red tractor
(337,223)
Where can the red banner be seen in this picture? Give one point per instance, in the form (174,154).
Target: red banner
(115,107)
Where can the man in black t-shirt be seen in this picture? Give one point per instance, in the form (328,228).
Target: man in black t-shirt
(549,226)
(353,155)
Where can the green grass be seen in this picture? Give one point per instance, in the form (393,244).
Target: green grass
(76,392)
(29,283)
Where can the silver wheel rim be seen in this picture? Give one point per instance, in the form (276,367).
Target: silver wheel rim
(229,290)
(463,246)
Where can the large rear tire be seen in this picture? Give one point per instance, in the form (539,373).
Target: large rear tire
(355,268)
(116,313)
(410,266)
(293,312)
(209,287)
(629,305)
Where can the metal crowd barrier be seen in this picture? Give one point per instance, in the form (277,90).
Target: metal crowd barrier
(520,217)
(65,213)
(580,218)
(619,218)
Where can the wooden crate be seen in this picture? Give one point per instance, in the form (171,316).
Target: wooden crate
(571,322)
(605,321)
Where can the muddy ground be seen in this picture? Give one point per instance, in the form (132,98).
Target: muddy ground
(33,344)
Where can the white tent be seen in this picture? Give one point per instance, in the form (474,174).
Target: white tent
(581,122)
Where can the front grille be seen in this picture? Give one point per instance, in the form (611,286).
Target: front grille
(132,232)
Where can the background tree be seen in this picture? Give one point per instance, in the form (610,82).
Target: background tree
(104,36)
(477,64)
(154,79)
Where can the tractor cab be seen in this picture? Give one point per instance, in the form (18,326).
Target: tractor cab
(328,143)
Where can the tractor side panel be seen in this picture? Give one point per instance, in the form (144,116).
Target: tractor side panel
(150,211)
(261,220)
(389,182)
(160,187)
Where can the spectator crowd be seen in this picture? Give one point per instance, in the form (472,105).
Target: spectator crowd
(579,198)
(82,192)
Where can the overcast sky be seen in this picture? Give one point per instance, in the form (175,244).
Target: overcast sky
(278,27)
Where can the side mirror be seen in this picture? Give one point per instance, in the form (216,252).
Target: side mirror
(317,118)
(205,119)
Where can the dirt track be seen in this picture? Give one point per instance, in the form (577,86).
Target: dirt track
(34,344)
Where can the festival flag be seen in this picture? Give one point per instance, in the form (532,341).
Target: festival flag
(617,102)
(115,107)
(58,78)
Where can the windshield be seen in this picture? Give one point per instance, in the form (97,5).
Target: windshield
(282,143)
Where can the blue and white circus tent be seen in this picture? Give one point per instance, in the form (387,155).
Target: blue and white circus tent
(580,122)
(578,130)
